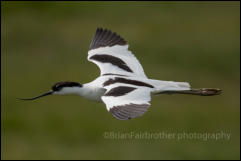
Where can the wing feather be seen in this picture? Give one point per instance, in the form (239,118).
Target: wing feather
(105,43)
(127,101)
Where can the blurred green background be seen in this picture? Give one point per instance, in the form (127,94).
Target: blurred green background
(47,42)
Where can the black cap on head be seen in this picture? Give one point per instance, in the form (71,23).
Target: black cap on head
(58,86)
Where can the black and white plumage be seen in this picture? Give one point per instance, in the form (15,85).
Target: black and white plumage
(122,84)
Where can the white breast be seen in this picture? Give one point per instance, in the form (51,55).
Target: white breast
(94,94)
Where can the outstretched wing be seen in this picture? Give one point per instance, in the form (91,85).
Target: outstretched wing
(110,52)
(127,101)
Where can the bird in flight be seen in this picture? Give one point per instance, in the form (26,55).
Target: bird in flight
(122,84)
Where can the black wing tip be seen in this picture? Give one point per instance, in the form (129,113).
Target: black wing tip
(129,111)
(105,37)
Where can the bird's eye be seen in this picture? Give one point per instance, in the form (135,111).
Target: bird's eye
(56,87)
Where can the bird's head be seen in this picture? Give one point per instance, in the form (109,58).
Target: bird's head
(60,88)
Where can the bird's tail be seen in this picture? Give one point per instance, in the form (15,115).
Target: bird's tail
(170,87)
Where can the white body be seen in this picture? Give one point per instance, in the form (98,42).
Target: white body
(95,90)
